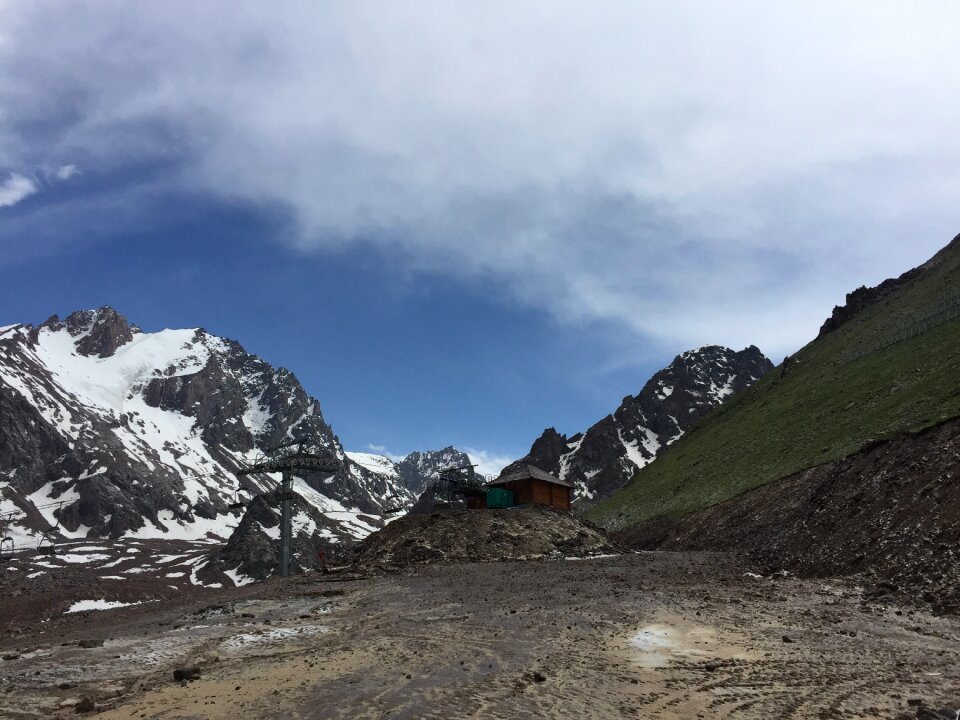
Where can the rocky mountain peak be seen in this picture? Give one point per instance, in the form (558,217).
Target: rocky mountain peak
(602,459)
(97,333)
(545,453)
(418,468)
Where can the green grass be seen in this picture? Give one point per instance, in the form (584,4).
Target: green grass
(824,409)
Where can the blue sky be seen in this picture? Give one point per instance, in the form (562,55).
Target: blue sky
(464,223)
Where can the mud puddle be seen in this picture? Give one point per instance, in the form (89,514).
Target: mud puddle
(667,641)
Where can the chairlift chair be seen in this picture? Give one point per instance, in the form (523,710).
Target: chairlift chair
(392,510)
(237,503)
(50,548)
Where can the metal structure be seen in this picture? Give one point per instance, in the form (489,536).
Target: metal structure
(458,482)
(395,509)
(50,536)
(286,458)
(7,546)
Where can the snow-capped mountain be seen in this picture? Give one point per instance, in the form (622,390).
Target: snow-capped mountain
(416,470)
(419,468)
(106,430)
(602,459)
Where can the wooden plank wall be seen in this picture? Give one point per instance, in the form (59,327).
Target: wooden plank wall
(560,496)
(540,492)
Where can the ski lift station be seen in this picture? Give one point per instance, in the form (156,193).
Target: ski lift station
(527,485)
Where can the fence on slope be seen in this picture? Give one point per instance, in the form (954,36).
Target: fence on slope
(948,308)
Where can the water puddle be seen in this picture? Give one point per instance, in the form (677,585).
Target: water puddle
(660,644)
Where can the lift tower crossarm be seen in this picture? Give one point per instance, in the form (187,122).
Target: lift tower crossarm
(310,463)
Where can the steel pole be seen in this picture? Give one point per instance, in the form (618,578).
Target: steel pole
(285,528)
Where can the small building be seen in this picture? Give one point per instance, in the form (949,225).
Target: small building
(532,486)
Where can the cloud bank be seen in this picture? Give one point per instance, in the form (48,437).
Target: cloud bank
(683,173)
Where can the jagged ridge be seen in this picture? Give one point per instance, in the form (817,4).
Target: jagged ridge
(602,459)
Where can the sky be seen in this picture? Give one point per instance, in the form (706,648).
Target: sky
(461,223)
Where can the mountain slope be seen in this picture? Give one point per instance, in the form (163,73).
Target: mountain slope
(602,459)
(110,431)
(888,363)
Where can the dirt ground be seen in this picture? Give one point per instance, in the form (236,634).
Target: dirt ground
(642,635)
(889,513)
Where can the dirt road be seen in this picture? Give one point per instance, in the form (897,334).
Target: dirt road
(651,635)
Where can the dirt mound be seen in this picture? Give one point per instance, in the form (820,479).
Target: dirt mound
(480,535)
(890,513)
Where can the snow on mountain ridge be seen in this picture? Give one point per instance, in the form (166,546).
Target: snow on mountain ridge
(141,433)
(378,464)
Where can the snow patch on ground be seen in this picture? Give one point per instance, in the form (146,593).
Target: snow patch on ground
(84,605)
(238,577)
(238,642)
(74,558)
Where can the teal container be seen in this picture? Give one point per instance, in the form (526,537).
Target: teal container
(499,498)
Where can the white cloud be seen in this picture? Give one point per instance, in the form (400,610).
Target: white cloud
(488,463)
(15,188)
(687,172)
(65,172)
(382,450)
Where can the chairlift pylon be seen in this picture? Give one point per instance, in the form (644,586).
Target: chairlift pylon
(50,535)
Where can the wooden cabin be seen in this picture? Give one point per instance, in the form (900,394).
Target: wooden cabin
(532,486)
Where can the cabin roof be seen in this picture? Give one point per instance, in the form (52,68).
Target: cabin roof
(529,472)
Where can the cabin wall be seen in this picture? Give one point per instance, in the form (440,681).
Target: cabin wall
(540,492)
(522,494)
(476,502)
(560,496)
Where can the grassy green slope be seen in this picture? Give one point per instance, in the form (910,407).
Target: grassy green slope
(825,408)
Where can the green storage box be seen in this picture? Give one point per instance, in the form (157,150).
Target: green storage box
(499,498)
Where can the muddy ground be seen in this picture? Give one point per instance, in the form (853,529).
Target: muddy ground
(647,635)
(889,513)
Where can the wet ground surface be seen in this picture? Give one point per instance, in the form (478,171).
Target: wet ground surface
(35,586)
(650,635)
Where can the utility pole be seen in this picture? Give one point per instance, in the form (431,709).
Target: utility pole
(286,529)
(285,459)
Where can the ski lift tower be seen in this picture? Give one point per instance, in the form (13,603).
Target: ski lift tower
(294,455)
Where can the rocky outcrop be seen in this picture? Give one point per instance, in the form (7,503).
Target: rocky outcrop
(602,459)
(865,296)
